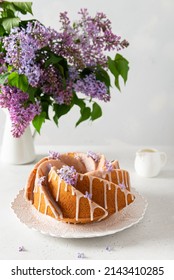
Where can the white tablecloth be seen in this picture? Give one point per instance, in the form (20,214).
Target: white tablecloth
(152,238)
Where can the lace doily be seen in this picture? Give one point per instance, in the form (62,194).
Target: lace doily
(123,219)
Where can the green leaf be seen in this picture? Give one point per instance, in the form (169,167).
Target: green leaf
(45,102)
(103,76)
(9,23)
(85,114)
(122,65)
(60,110)
(23,7)
(53,59)
(79,101)
(8,6)
(32,91)
(86,71)
(63,66)
(58,62)
(118,67)
(96,111)
(2,30)
(9,14)
(38,121)
(19,81)
(114,71)
(3,78)
(61,69)
(55,119)
(9,68)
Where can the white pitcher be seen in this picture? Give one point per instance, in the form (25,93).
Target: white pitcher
(149,162)
(16,150)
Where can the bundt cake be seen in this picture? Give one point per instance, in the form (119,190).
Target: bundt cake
(78,187)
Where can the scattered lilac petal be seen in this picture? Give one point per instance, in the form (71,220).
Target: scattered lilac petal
(81,255)
(88,195)
(108,248)
(122,186)
(41,180)
(108,165)
(21,249)
(93,155)
(53,155)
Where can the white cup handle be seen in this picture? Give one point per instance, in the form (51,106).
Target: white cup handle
(163,157)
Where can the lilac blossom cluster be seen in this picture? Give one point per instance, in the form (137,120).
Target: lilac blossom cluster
(22,46)
(52,84)
(21,114)
(93,88)
(68,174)
(56,66)
(84,43)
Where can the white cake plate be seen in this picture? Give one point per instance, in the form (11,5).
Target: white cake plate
(122,220)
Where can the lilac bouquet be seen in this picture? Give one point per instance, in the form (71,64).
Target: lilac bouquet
(42,68)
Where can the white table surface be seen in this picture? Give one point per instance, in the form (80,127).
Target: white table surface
(151,238)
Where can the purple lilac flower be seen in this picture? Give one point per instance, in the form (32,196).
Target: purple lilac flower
(64,96)
(41,180)
(73,73)
(80,255)
(3,67)
(52,83)
(93,155)
(68,174)
(83,44)
(22,46)
(2,58)
(108,165)
(86,40)
(88,195)
(21,49)
(122,186)
(53,155)
(21,249)
(92,87)
(21,114)
(108,248)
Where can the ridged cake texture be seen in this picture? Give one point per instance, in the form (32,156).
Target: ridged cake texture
(78,187)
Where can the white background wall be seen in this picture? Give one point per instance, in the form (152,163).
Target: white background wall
(143,114)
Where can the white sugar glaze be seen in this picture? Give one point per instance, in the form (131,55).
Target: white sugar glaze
(107,185)
(104,177)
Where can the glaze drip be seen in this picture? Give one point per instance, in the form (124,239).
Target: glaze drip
(99,183)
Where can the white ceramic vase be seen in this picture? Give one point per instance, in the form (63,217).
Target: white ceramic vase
(16,150)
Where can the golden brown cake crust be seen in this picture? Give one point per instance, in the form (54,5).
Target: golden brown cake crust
(99,191)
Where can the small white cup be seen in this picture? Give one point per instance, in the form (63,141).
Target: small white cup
(149,162)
